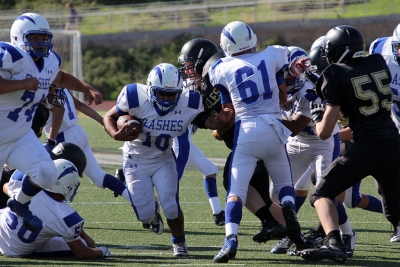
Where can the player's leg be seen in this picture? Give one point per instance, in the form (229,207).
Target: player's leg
(167,187)
(198,161)
(34,161)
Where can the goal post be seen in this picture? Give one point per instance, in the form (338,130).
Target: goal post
(67,44)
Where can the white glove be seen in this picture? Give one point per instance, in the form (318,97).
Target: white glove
(299,65)
(106,252)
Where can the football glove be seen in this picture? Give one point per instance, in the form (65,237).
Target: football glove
(106,252)
(299,65)
(317,111)
(311,77)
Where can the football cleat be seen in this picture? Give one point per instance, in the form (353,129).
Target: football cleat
(282,246)
(22,210)
(157,224)
(271,229)
(292,224)
(119,174)
(228,251)
(219,219)
(316,237)
(330,251)
(350,242)
(146,225)
(396,235)
(299,246)
(180,250)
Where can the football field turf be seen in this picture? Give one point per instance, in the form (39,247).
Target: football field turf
(111,222)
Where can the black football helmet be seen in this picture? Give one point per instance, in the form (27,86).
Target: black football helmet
(40,119)
(57,99)
(197,51)
(317,59)
(343,42)
(70,152)
(205,79)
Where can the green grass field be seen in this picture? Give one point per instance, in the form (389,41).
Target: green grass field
(112,223)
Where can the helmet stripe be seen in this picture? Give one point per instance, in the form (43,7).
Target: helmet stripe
(159,74)
(249,30)
(26,17)
(66,171)
(228,35)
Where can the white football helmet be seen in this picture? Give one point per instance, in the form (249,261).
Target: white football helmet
(318,43)
(67,179)
(295,83)
(24,26)
(164,80)
(396,44)
(236,37)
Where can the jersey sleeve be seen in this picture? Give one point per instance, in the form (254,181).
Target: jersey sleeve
(376,46)
(328,85)
(127,99)
(74,223)
(217,80)
(10,60)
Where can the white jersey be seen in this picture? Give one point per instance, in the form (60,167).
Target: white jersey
(70,116)
(18,108)
(155,140)
(383,46)
(251,95)
(54,218)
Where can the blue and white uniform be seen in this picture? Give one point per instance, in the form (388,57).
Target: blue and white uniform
(306,148)
(58,223)
(250,82)
(17,110)
(383,46)
(149,160)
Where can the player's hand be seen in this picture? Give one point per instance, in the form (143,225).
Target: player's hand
(317,111)
(31,84)
(123,135)
(215,134)
(106,252)
(299,65)
(311,77)
(49,144)
(225,115)
(95,96)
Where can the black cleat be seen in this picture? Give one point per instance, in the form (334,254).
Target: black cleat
(219,219)
(316,237)
(146,225)
(228,251)
(331,252)
(349,241)
(22,210)
(119,174)
(270,230)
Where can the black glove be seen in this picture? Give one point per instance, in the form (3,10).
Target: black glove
(312,77)
(317,111)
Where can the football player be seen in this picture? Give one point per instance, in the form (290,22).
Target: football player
(60,230)
(71,131)
(252,84)
(376,139)
(27,68)
(165,111)
(305,148)
(194,55)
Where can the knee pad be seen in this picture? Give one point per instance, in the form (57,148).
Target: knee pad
(352,199)
(171,212)
(145,213)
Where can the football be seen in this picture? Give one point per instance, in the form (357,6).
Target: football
(132,122)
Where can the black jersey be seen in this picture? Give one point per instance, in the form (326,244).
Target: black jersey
(362,90)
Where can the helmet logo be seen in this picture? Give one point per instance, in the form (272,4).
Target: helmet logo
(26,17)
(249,30)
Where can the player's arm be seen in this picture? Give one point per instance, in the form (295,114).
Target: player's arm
(345,134)
(66,80)
(325,127)
(297,124)
(89,241)
(110,125)
(87,110)
(7,86)
(56,121)
(82,251)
